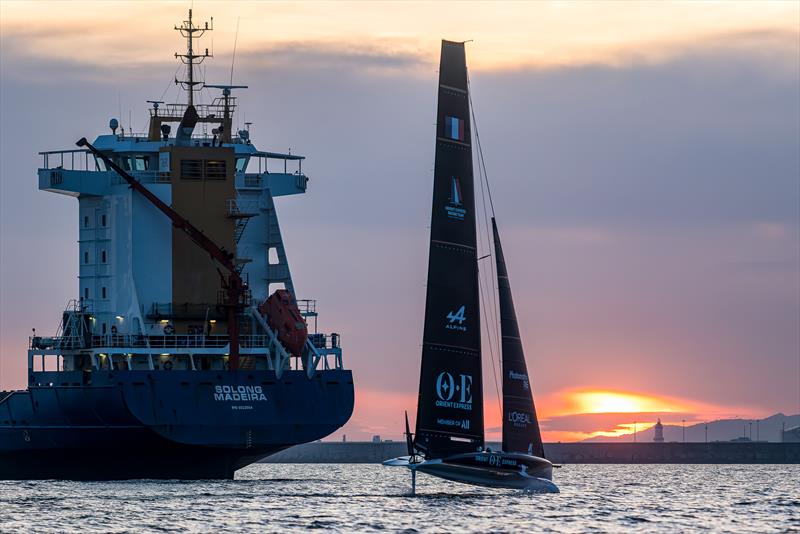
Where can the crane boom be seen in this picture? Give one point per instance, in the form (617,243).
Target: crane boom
(233,287)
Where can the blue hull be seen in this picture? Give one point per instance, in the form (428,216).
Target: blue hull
(164,424)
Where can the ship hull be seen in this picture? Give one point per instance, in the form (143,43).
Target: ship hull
(165,461)
(164,424)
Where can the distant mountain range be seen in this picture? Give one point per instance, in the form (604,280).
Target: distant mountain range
(768,429)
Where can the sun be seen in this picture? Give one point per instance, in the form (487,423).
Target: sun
(617,402)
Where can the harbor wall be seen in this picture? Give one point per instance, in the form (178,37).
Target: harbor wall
(567,453)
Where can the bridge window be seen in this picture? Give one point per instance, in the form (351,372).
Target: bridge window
(141,163)
(241,164)
(191,169)
(216,169)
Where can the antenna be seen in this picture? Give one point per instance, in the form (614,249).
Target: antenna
(227,110)
(188,30)
(155,106)
(235,40)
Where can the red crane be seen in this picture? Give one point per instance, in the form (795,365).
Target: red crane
(233,286)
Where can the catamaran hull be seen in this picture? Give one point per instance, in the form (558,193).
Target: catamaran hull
(164,424)
(511,471)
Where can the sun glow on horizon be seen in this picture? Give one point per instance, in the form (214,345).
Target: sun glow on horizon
(605,401)
(579,414)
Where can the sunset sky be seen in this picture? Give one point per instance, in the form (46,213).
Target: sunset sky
(644,159)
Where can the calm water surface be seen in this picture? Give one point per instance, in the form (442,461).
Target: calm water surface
(279,498)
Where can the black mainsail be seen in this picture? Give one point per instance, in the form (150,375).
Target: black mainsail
(520,425)
(450,404)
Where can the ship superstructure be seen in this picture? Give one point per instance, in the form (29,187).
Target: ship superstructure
(154,342)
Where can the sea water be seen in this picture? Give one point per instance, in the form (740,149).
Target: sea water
(353,497)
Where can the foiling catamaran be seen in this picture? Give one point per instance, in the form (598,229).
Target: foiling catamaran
(449,438)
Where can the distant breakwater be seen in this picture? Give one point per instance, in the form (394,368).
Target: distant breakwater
(576,453)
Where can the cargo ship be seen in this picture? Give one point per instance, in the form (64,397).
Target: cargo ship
(185,353)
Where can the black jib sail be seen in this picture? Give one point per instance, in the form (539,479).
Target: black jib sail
(520,425)
(450,404)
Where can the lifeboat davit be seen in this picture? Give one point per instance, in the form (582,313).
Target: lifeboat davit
(283,316)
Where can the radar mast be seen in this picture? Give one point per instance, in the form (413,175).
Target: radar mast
(188,30)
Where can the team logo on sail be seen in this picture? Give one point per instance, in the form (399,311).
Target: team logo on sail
(454,393)
(513,375)
(455,320)
(454,207)
(463,424)
(519,419)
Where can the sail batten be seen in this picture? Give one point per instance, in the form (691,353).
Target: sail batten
(521,431)
(450,405)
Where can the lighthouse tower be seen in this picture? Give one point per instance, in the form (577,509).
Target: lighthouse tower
(659,435)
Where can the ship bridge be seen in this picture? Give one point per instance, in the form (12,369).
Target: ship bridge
(143,284)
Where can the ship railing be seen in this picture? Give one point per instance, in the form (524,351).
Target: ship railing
(308,307)
(264,158)
(243,208)
(44,343)
(67,160)
(146,177)
(320,347)
(57,161)
(215,110)
(325,341)
(143,341)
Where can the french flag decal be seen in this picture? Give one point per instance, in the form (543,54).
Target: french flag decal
(454,128)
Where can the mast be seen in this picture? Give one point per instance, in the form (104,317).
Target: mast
(188,30)
(520,424)
(450,404)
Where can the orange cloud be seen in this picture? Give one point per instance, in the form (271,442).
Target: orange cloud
(507,34)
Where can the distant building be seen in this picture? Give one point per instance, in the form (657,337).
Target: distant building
(659,431)
(791,435)
(376,439)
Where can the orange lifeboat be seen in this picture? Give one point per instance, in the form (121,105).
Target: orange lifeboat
(283,316)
